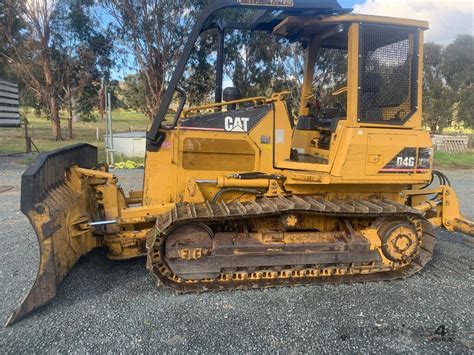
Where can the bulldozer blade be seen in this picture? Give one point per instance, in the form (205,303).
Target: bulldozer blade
(59,204)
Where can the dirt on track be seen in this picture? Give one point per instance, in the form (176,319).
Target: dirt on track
(107,306)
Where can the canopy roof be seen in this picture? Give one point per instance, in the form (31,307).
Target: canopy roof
(317,24)
(265,15)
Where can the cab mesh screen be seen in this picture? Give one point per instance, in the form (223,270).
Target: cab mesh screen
(388,71)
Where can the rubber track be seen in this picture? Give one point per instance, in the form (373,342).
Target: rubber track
(266,207)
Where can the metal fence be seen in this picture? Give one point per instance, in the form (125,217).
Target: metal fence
(450,144)
(9,104)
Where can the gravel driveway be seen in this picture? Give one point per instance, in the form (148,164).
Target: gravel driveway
(114,306)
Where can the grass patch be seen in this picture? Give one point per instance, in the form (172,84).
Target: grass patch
(26,159)
(12,141)
(459,160)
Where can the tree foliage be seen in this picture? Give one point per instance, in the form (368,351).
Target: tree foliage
(151,32)
(200,76)
(61,49)
(448,84)
(56,49)
(31,52)
(458,66)
(83,52)
(132,91)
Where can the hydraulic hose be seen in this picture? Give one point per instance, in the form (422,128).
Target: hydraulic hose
(442,178)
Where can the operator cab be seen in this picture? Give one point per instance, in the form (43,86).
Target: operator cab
(323,98)
(350,72)
(314,108)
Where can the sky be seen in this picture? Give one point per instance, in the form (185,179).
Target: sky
(447,18)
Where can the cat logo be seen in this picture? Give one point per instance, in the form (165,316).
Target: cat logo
(236,124)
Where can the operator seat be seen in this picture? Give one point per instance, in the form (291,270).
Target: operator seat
(328,122)
(370,107)
(231,94)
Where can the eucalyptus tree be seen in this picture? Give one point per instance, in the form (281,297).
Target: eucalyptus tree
(30,50)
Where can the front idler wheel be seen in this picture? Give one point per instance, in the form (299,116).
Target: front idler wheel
(400,241)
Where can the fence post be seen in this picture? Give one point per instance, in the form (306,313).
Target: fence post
(27,137)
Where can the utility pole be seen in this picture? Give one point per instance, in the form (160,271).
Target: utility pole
(101,99)
(111,135)
(104,105)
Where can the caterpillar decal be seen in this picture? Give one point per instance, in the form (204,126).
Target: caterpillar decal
(242,120)
(236,124)
(407,161)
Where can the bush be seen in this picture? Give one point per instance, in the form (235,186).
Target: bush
(89,117)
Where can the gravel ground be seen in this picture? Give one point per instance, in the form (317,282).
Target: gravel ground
(114,306)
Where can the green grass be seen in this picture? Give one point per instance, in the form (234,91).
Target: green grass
(460,160)
(12,141)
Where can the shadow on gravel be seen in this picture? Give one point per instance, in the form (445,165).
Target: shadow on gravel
(93,278)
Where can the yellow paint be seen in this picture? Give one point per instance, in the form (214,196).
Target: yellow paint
(193,165)
(312,25)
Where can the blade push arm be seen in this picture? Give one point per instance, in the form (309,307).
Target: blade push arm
(443,210)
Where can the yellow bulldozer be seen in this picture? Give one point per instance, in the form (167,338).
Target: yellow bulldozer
(243,193)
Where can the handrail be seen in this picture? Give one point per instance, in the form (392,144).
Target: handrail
(279,96)
(340,91)
(220,104)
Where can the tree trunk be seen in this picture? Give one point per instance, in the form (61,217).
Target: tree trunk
(50,91)
(70,115)
(55,121)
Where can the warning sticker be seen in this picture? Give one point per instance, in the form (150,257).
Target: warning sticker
(279,136)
